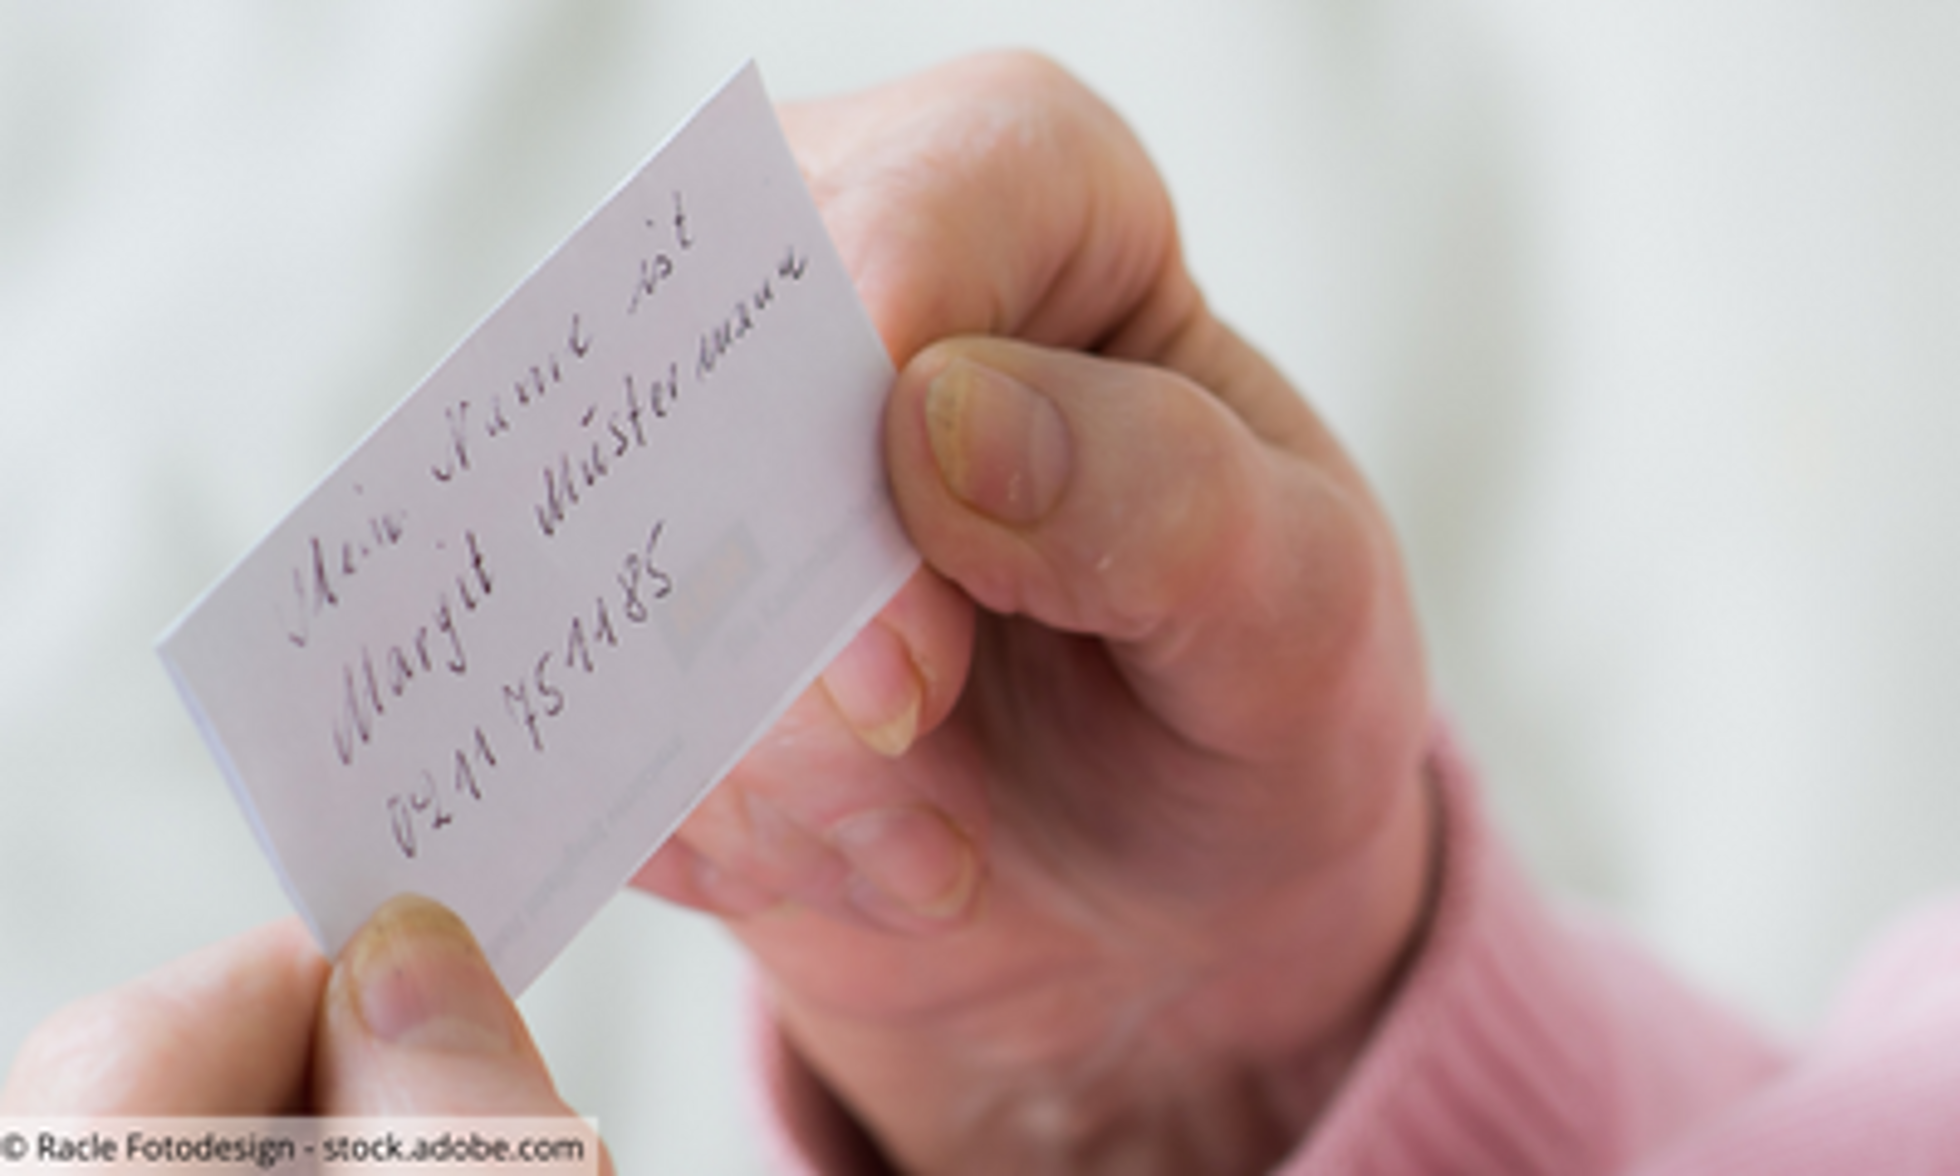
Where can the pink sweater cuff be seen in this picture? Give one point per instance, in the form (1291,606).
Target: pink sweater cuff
(1523,1042)
(1520,1043)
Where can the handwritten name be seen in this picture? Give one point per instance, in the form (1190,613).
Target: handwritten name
(608,438)
(741,320)
(370,684)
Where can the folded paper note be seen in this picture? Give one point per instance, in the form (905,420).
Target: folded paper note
(518,633)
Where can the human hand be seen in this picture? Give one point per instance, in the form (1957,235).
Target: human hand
(408,1021)
(1099,848)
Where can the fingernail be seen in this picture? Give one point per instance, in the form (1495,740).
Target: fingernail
(875,689)
(1002,447)
(912,856)
(419,980)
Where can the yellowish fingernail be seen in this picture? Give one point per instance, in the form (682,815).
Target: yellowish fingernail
(1002,447)
(877,691)
(417,979)
(894,738)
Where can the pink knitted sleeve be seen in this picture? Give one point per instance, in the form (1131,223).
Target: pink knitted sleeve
(1878,1091)
(1526,1042)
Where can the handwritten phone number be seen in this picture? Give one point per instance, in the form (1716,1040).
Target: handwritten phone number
(533,700)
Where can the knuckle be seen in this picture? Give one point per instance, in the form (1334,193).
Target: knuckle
(1028,106)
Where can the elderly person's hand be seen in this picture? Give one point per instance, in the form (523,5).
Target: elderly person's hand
(1099,848)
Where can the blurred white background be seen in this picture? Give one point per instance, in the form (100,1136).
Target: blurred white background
(1644,317)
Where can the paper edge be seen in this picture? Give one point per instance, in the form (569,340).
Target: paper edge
(229,770)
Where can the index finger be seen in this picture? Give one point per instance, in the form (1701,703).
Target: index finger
(999,196)
(995,195)
(226,1030)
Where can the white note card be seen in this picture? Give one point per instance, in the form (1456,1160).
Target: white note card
(509,642)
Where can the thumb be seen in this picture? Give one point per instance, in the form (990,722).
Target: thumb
(416,1024)
(1241,584)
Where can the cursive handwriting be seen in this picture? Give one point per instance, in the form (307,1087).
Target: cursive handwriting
(318,577)
(659,265)
(371,683)
(608,438)
(605,440)
(494,418)
(741,319)
(536,698)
